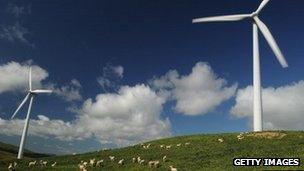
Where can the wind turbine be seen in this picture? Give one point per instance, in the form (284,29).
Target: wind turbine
(256,24)
(30,95)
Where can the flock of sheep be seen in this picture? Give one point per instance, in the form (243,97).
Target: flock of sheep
(83,165)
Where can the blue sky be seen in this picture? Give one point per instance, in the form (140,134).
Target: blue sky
(89,40)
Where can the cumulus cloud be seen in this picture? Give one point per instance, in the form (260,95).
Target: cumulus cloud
(282,106)
(110,77)
(128,116)
(69,92)
(197,93)
(15,76)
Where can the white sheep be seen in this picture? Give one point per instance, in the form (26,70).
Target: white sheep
(141,162)
(99,163)
(138,159)
(54,164)
(82,167)
(178,145)
(220,140)
(187,143)
(172,168)
(32,163)
(10,167)
(85,164)
(92,162)
(112,158)
(153,164)
(240,136)
(164,158)
(168,146)
(133,159)
(162,146)
(121,162)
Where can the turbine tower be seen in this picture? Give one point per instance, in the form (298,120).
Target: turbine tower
(30,95)
(256,24)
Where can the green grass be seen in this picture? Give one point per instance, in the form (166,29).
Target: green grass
(203,153)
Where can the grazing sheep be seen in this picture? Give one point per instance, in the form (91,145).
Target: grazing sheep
(153,164)
(92,162)
(44,163)
(112,158)
(164,158)
(85,164)
(240,136)
(10,167)
(99,163)
(220,140)
(162,146)
(178,145)
(133,159)
(138,159)
(168,146)
(82,167)
(32,163)
(54,164)
(121,162)
(187,143)
(141,162)
(172,168)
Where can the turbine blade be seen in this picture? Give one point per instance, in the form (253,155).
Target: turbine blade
(262,5)
(271,41)
(21,104)
(42,91)
(30,79)
(236,17)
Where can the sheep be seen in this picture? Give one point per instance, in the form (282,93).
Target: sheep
(98,163)
(43,163)
(162,146)
(164,158)
(10,167)
(172,168)
(82,167)
(54,164)
(168,146)
(133,159)
(32,163)
(220,140)
(121,162)
(141,162)
(187,143)
(153,164)
(178,145)
(240,136)
(92,162)
(85,164)
(138,159)
(112,158)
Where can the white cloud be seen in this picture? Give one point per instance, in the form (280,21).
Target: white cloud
(282,106)
(126,117)
(69,92)
(110,77)
(15,76)
(197,93)
(15,33)
(17,11)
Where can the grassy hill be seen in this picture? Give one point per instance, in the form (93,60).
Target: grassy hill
(9,152)
(204,152)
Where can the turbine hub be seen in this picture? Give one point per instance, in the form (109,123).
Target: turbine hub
(254,14)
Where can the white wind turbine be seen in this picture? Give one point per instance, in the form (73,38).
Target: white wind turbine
(257,23)
(31,94)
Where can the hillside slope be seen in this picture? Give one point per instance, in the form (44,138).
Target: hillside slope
(204,152)
(9,152)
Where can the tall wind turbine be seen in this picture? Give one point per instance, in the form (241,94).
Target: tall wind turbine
(256,24)
(30,95)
